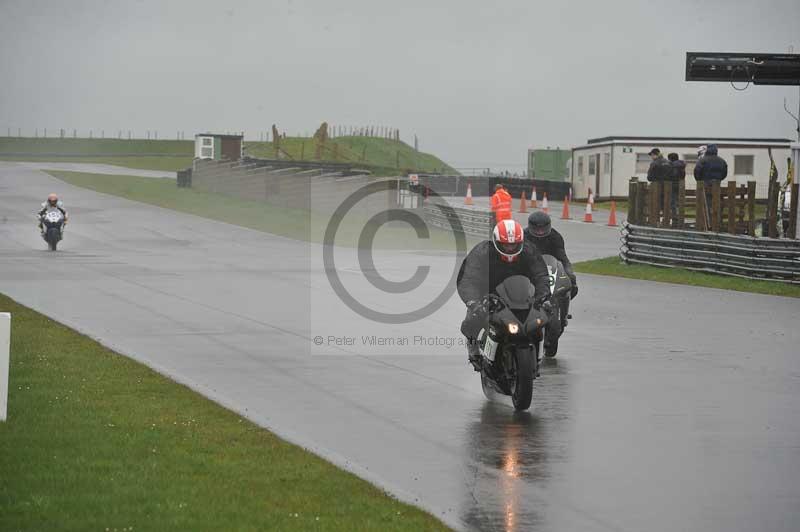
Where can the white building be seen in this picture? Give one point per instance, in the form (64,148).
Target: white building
(607,164)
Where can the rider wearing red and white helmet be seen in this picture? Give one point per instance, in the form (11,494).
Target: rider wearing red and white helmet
(52,203)
(493,261)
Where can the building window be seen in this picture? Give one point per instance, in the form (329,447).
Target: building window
(580,166)
(743,165)
(606,163)
(690,159)
(592,165)
(642,163)
(206,152)
(206,141)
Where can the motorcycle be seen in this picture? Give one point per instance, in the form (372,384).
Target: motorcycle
(53,228)
(560,287)
(509,340)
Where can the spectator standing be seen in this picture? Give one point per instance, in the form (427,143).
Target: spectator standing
(659,172)
(677,176)
(710,168)
(501,204)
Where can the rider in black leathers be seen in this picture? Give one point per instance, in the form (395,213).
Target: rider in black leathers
(486,266)
(548,241)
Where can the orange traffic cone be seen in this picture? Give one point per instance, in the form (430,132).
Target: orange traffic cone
(565,210)
(612,218)
(523,205)
(588,216)
(533,198)
(468,199)
(545,208)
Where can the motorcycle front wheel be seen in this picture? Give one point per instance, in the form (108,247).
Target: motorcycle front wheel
(522,370)
(52,239)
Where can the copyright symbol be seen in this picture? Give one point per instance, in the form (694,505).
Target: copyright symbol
(365,259)
(318,340)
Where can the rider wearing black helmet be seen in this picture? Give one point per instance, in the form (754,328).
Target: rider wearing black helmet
(548,241)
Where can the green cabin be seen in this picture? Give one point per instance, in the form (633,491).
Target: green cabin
(549,164)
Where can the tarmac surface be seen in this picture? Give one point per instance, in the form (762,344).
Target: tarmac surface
(668,407)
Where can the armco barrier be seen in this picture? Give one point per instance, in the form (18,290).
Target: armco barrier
(738,255)
(477,222)
(449,185)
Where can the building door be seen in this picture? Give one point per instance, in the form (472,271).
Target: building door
(597,176)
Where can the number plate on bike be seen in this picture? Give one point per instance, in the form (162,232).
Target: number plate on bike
(489,348)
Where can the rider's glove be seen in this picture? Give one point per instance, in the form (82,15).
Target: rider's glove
(539,301)
(473,306)
(573,291)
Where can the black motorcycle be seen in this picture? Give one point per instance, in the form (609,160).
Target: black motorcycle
(560,287)
(509,340)
(52,228)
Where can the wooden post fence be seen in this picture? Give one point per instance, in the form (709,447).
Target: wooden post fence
(681,221)
(701,209)
(792,229)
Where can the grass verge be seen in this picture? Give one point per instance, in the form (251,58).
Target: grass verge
(613,266)
(291,223)
(96,441)
(381,156)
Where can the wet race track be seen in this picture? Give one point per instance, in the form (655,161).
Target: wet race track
(668,407)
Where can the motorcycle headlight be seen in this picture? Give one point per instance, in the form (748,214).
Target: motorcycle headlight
(513,328)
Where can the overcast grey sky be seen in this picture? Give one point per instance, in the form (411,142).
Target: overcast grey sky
(478,81)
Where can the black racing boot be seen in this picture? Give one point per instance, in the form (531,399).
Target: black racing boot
(474,354)
(550,348)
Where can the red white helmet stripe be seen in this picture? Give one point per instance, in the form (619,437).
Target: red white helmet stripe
(509,231)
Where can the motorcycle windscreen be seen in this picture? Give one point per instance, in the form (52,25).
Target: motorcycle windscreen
(516,292)
(558,277)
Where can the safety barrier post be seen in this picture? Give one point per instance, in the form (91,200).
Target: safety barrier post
(5,360)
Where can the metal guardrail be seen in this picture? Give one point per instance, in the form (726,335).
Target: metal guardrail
(760,258)
(472,221)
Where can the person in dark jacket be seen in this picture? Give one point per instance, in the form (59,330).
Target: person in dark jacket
(659,169)
(490,263)
(548,241)
(678,168)
(659,172)
(710,168)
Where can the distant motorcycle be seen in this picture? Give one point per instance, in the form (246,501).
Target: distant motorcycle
(509,341)
(52,228)
(560,287)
